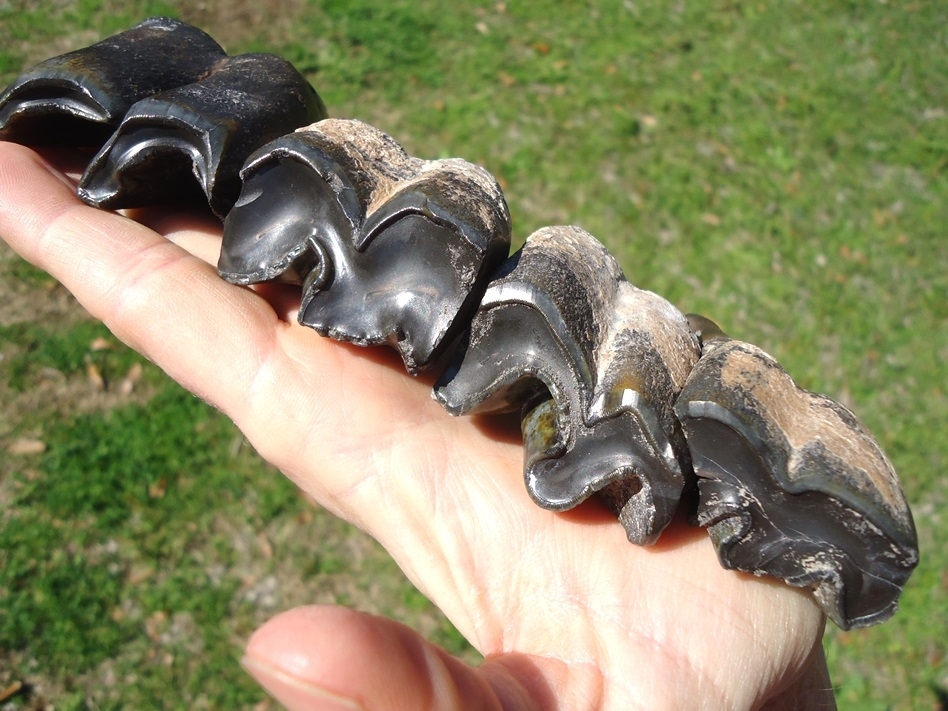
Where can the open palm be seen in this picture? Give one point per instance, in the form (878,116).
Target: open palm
(568,614)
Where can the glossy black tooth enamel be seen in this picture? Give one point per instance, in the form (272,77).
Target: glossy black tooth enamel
(271,234)
(820,503)
(402,247)
(79,98)
(596,363)
(203,131)
(615,457)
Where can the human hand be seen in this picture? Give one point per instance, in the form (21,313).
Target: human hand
(567,613)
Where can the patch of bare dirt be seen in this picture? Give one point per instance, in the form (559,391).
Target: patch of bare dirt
(234,23)
(22,301)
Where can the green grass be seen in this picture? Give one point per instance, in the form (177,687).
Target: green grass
(66,351)
(780,167)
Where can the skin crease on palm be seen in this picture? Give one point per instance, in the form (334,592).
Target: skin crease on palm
(567,613)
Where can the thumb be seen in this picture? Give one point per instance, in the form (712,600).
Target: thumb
(333,658)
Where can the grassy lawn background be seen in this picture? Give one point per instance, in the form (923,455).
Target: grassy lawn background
(779,167)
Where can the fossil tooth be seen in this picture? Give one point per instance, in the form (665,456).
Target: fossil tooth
(79,98)
(388,248)
(792,485)
(206,129)
(595,364)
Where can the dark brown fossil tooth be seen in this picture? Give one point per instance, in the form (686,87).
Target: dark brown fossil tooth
(204,130)
(595,363)
(388,248)
(79,98)
(792,485)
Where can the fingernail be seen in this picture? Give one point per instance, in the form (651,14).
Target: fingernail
(295,693)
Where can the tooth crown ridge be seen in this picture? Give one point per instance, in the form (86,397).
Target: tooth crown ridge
(376,169)
(599,328)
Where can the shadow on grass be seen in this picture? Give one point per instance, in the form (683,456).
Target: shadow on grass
(941,696)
